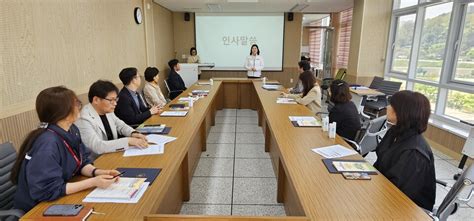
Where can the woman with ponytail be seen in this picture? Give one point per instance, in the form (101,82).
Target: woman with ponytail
(52,154)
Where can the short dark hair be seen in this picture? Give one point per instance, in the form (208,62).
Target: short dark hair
(101,89)
(172,63)
(304,65)
(191,50)
(127,75)
(412,110)
(150,73)
(340,92)
(258,50)
(308,80)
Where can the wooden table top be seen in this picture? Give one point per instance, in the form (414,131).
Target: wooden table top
(326,196)
(365,91)
(322,195)
(184,128)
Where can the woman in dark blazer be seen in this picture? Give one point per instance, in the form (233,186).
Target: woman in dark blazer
(344,112)
(53,154)
(403,155)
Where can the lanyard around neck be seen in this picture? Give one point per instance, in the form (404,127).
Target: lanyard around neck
(77,159)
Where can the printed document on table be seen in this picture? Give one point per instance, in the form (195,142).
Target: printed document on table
(159,139)
(302,118)
(334,151)
(150,150)
(134,199)
(174,113)
(284,100)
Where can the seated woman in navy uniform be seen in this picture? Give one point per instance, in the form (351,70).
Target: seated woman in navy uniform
(53,153)
(403,155)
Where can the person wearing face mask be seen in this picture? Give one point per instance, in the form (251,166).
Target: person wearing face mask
(152,90)
(131,107)
(403,155)
(100,128)
(194,58)
(254,63)
(53,154)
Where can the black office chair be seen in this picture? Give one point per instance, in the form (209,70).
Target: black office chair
(7,188)
(368,138)
(376,82)
(452,200)
(374,107)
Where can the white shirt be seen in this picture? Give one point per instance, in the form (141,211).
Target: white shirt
(254,62)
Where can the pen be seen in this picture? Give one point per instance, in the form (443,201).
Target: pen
(118,175)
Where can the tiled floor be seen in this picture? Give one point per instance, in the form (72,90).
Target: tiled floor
(235,176)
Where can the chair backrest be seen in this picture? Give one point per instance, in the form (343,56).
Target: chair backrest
(7,188)
(341,74)
(373,134)
(389,87)
(465,181)
(167,88)
(376,82)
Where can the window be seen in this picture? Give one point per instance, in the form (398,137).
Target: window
(430,92)
(460,105)
(345,26)
(403,43)
(317,41)
(404,3)
(465,63)
(433,42)
(431,50)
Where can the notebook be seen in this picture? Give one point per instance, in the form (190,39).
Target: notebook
(152,129)
(305,121)
(332,169)
(124,189)
(270,87)
(166,130)
(284,100)
(149,173)
(351,166)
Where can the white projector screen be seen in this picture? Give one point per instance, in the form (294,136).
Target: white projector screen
(225,39)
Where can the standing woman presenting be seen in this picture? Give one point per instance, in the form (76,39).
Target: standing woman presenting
(254,63)
(193,58)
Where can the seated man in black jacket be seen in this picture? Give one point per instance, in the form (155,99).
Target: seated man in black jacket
(131,107)
(175,82)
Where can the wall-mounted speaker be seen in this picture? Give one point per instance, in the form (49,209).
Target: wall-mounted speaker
(187,16)
(290,16)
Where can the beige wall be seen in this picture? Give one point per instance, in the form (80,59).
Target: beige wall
(72,43)
(369,36)
(183,35)
(305,37)
(184,39)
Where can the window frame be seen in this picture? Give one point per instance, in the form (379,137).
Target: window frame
(448,69)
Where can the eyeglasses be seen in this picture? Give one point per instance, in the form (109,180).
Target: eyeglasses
(78,104)
(111,100)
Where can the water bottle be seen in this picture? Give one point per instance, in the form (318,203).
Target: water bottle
(264,80)
(332,130)
(191,101)
(325,123)
(211,81)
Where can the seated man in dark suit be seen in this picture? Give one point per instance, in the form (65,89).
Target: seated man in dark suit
(131,107)
(175,82)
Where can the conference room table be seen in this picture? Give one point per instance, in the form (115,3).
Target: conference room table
(358,95)
(304,185)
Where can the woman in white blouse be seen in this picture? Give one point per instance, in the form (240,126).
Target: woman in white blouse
(254,63)
(194,58)
(152,91)
(311,96)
